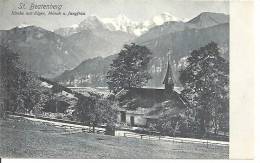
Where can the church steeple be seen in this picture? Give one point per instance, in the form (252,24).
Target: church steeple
(168,79)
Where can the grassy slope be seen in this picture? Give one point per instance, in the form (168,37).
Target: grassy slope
(26,139)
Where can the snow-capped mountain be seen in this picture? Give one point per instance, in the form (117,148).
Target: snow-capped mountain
(90,23)
(123,23)
(119,23)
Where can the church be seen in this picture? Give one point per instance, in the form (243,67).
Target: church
(139,106)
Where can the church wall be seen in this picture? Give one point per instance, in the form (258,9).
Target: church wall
(139,119)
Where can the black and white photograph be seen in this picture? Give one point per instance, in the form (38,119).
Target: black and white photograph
(115,79)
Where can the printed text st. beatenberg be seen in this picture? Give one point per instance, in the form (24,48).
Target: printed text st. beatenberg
(34,6)
(43,10)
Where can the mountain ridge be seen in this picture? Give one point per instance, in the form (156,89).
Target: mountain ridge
(50,54)
(38,47)
(119,23)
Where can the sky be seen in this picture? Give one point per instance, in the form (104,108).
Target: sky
(137,10)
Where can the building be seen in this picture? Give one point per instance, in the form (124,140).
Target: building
(139,106)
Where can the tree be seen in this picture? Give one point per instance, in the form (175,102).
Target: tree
(85,110)
(167,124)
(8,72)
(96,111)
(31,97)
(23,89)
(206,86)
(129,69)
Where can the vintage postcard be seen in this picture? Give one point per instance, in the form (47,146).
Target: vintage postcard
(131,79)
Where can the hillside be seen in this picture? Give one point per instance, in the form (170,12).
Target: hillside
(91,72)
(207,19)
(182,42)
(49,54)
(40,50)
(98,42)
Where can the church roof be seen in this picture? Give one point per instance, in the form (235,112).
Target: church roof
(148,97)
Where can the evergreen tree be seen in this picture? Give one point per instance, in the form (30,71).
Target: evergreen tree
(8,72)
(31,96)
(129,69)
(23,90)
(206,86)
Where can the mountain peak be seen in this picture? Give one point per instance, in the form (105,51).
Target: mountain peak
(118,23)
(91,22)
(30,28)
(23,25)
(206,19)
(211,13)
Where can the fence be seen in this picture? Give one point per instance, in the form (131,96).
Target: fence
(72,127)
(175,139)
(74,130)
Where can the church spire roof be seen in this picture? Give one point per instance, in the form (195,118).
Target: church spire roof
(168,79)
